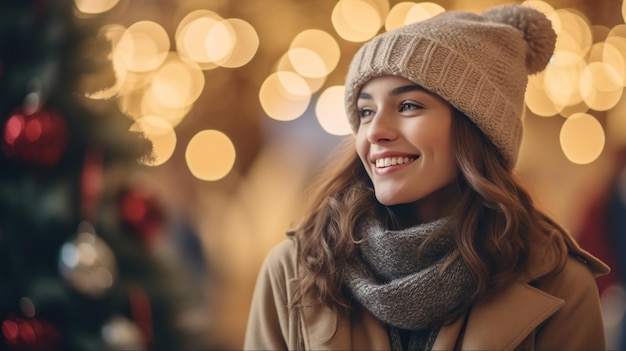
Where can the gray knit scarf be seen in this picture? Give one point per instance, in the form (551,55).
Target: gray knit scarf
(401,284)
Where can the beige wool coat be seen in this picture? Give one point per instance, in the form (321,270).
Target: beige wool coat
(557,313)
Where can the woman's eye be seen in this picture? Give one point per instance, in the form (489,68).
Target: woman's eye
(365,113)
(408,106)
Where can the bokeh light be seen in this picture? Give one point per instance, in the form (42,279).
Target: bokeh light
(330,111)
(537,101)
(423,11)
(92,7)
(306,62)
(284,65)
(609,54)
(575,34)
(587,71)
(600,86)
(397,15)
(246,43)
(562,77)
(210,155)
(178,82)
(162,136)
(582,138)
(356,20)
(193,29)
(151,105)
(616,39)
(143,46)
(284,96)
(220,41)
(314,53)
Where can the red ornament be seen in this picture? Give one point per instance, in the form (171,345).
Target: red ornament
(142,213)
(39,138)
(29,334)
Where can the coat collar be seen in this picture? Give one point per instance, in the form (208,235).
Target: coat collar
(542,260)
(514,310)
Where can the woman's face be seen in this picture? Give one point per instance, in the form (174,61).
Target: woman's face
(404,142)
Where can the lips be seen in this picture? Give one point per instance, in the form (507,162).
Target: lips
(389,161)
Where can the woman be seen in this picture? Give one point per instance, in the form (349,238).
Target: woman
(419,236)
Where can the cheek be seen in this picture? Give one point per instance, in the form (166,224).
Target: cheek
(450,160)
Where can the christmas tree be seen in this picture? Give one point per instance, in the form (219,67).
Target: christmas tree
(77,271)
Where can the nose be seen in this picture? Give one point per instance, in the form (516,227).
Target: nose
(382,128)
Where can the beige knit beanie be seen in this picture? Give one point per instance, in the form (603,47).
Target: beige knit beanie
(478,63)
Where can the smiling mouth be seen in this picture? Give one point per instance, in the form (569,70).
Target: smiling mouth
(393,161)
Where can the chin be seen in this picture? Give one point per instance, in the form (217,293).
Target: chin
(391,201)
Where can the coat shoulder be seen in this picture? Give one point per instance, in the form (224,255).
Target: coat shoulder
(596,266)
(575,277)
(580,317)
(270,320)
(281,260)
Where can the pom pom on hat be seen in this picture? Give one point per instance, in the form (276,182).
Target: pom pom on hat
(537,30)
(478,63)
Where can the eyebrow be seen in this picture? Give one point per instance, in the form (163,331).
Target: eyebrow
(397,91)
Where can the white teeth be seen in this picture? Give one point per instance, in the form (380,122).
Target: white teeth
(392,161)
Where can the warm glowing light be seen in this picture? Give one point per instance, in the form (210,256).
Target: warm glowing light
(609,54)
(284,96)
(601,86)
(143,46)
(210,155)
(330,111)
(562,77)
(151,105)
(162,136)
(193,29)
(381,6)
(617,57)
(314,53)
(177,83)
(315,84)
(397,15)
(356,20)
(91,7)
(307,63)
(423,11)
(292,83)
(575,34)
(582,138)
(536,98)
(220,42)
(245,46)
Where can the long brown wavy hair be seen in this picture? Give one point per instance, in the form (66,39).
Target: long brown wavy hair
(495,219)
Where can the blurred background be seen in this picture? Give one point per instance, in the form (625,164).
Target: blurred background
(153,151)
